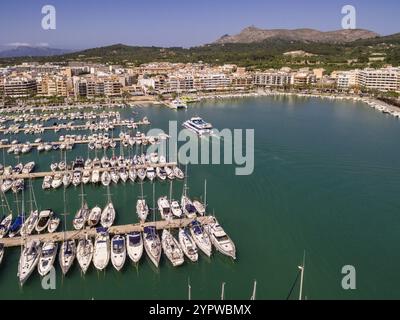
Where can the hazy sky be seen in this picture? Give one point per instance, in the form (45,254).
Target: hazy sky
(90,23)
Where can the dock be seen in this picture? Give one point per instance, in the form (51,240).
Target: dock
(91,232)
(35,175)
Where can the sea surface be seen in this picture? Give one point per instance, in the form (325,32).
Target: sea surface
(326,182)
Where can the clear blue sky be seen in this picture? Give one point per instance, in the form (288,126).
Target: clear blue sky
(90,23)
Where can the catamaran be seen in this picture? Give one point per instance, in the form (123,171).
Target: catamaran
(200,237)
(84,253)
(47,257)
(67,255)
(220,239)
(101,255)
(188,245)
(134,246)
(198,126)
(171,248)
(152,244)
(28,260)
(118,251)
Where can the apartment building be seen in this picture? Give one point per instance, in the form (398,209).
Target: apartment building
(272,78)
(346,79)
(386,79)
(19,86)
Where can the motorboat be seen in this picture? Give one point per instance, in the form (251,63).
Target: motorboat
(57,181)
(95,176)
(221,241)
(198,126)
(150,173)
(161,173)
(171,248)
(101,255)
(47,182)
(94,216)
(118,251)
(114,176)
(6,185)
(76,178)
(81,216)
(169,172)
(86,176)
(53,224)
(28,167)
(200,237)
(18,185)
(43,220)
(47,257)
(108,215)
(142,209)
(164,208)
(67,179)
(134,246)
(67,255)
(188,208)
(176,209)
(123,174)
(188,245)
(105,178)
(200,207)
(141,173)
(178,173)
(132,174)
(152,244)
(5,225)
(28,260)
(84,253)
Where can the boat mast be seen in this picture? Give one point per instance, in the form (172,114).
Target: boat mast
(253,296)
(205,195)
(302,276)
(223,291)
(189,290)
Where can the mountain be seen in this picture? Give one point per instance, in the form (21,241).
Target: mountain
(28,51)
(253,34)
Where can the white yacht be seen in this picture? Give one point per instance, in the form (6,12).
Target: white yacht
(84,253)
(176,209)
(5,225)
(134,246)
(171,248)
(188,208)
(151,173)
(53,224)
(28,260)
(141,173)
(198,126)
(142,209)
(47,257)
(101,255)
(132,174)
(118,251)
(77,178)
(220,239)
(200,208)
(114,176)
(152,244)
(105,178)
(188,245)
(30,223)
(201,238)
(164,208)
(95,176)
(57,181)
(86,176)
(67,255)
(43,220)
(67,179)
(46,182)
(81,217)
(178,104)
(108,215)
(94,216)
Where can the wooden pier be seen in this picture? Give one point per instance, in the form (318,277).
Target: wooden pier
(91,232)
(35,175)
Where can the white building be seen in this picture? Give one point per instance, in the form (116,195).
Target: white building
(346,79)
(386,79)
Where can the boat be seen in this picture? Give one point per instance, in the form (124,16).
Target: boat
(53,224)
(134,246)
(169,172)
(16,226)
(123,174)
(84,253)
(200,237)
(28,260)
(154,157)
(178,104)
(198,126)
(151,173)
(188,245)
(47,257)
(54,166)
(161,173)
(108,215)
(57,181)
(86,176)
(43,220)
(76,178)
(141,173)
(67,179)
(164,208)
(28,167)
(47,182)
(30,223)
(118,251)
(101,255)
(221,241)
(18,185)
(94,216)
(200,208)
(142,209)
(95,176)
(105,178)
(67,255)
(81,217)
(152,244)
(5,225)
(132,174)
(62,165)
(178,173)
(176,209)
(6,185)
(187,207)
(1,252)
(171,248)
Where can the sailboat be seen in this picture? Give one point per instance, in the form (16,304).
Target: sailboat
(188,245)
(94,216)
(5,225)
(82,214)
(47,257)
(118,251)
(142,208)
(44,220)
(187,206)
(67,255)
(101,255)
(152,244)
(108,214)
(220,239)
(134,246)
(171,248)
(28,260)
(84,253)
(30,223)
(53,224)
(200,237)
(105,178)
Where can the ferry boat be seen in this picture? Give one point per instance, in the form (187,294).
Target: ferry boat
(198,126)
(178,104)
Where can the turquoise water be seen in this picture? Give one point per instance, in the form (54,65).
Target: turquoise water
(326,181)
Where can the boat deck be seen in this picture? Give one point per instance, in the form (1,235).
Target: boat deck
(91,232)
